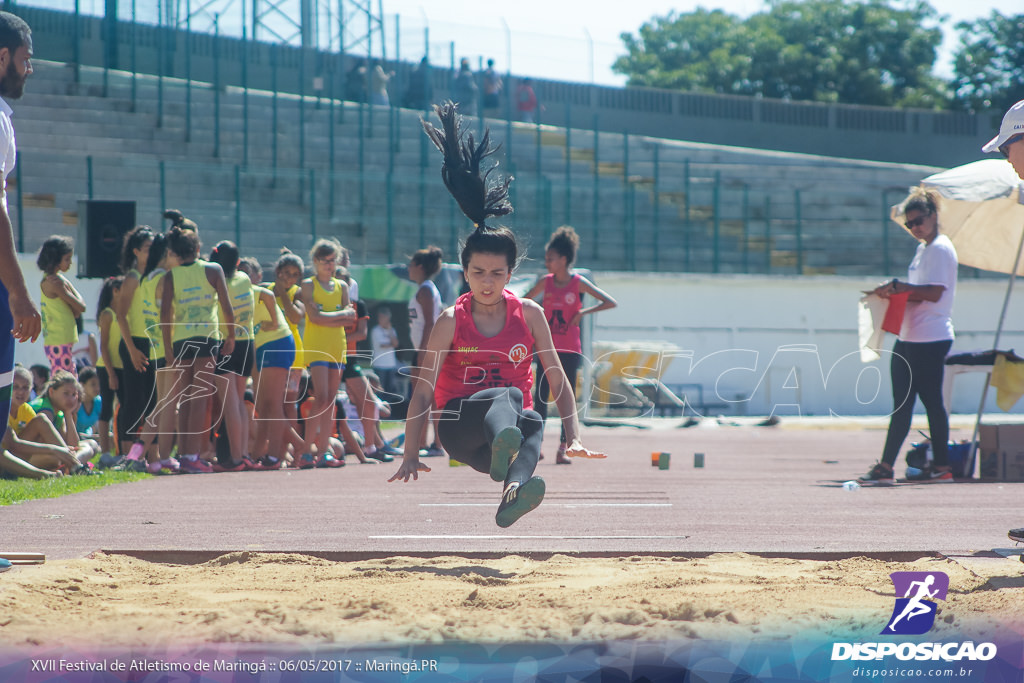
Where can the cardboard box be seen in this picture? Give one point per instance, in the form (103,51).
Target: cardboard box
(1002,452)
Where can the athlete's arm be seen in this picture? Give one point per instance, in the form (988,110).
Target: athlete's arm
(318,317)
(538,288)
(424,380)
(605,300)
(565,397)
(293,308)
(270,302)
(123,303)
(166,316)
(27,323)
(71,297)
(215,276)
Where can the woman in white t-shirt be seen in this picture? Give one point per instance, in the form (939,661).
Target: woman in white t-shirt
(919,356)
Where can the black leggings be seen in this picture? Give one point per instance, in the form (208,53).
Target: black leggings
(139,390)
(107,394)
(917,370)
(570,361)
(468,426)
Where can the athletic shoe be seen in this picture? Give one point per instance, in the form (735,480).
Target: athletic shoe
(267,463)
(432,452)
(307,461)
(391,450)
(561,458)
(154,467)
(108,460)
(233,467)
(195,466)
(380,455)
(136,451)
(519,499)
(86,470)
(930,475)
(504,450)
(171,464)
(5,564)
(1016,535)
(879,474)
(328,461)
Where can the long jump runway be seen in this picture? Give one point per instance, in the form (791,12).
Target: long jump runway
(762,490)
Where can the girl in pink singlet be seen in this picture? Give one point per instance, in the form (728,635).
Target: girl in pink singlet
(562,291)
(478,361)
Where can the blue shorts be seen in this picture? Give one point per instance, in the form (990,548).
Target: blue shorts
(276,354)
(330,365)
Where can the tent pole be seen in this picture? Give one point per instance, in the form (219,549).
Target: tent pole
(995,347)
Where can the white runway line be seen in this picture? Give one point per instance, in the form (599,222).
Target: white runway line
(502,537)
(550,505)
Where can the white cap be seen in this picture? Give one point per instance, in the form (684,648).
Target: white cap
(1013,124)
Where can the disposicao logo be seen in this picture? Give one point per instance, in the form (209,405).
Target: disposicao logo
(913,615)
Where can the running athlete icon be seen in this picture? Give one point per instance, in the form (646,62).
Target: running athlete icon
(916,606)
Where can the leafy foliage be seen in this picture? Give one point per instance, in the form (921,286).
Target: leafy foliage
(989,63)
(868,52)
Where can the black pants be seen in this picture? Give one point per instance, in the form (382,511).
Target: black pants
(107,395)
(468,426)
(139,391)
(917,370)
(570,361)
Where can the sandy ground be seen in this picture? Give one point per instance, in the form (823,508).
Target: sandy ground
(285,599)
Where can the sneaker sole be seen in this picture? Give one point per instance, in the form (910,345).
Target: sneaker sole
(530,496)
(503,449)
(1018,539)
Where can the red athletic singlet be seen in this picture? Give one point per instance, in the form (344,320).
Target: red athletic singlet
(476,362)
(560,305)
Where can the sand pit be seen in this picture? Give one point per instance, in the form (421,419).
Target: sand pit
(287,599)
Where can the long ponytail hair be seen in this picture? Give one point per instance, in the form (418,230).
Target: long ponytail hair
(477,195)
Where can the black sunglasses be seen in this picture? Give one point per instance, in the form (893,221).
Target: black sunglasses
(914,222)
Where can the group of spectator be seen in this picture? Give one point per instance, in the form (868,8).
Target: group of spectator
(370,83)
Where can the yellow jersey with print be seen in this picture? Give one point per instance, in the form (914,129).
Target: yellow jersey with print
(113,341)
(151,312)
(196,308)
(240,295)
(25,415)
(294,327)
(325,343)
(262,317)
(59,328)
(137,309)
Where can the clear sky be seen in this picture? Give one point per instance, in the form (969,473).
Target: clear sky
(579,39)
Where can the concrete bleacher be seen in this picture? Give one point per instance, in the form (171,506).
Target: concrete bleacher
(284,173)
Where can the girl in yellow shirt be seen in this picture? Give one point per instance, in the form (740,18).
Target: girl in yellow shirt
(327,311)
(60,304)
(139,374)
(189,312)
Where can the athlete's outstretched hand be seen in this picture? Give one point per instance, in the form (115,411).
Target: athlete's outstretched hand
(576,450)
(409,468)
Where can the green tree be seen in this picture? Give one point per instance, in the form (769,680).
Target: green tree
(867,52)
(700,50)
(988,67)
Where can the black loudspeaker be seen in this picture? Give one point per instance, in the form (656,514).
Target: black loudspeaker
(101,229)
